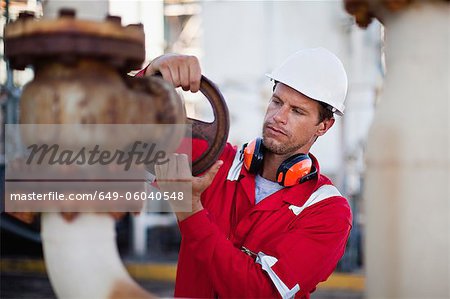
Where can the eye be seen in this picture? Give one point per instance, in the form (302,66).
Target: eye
(298,111)
(276,101)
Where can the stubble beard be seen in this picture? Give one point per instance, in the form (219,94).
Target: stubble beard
(280,148)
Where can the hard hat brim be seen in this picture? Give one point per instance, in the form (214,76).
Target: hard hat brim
(335,110)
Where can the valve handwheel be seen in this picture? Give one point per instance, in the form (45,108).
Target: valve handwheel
(214,133)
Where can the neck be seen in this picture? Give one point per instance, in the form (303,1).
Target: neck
(271,163)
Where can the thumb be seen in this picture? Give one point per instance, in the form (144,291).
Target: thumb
(208,177)
(211,173)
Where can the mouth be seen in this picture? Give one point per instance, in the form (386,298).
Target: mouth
(277,131)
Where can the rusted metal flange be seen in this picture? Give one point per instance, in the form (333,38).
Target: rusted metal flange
(30,41)
(365,11)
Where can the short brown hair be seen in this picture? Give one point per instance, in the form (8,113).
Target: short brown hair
(325,111)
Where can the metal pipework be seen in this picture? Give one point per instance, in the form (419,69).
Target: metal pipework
(78,68)
(82,259)
(408,156)
(78,77)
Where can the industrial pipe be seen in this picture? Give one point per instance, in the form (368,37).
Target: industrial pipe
(82,259)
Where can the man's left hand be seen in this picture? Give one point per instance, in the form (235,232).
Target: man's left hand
(175,175)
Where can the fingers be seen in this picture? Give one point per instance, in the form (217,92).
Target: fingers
(195,74)
(190,74)
(172,168)
(167,74)
(175,178)
(176,169)
(161,170)
(184,76)
(183,166)
(179,70)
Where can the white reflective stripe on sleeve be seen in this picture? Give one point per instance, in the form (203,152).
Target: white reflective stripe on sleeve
(267,263)
(324,192)
(235,170)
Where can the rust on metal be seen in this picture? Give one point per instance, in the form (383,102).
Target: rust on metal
(29,40)
(365,11)
(215,133)
(79,67)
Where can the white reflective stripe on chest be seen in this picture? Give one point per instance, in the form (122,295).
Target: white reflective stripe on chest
(324,192)
(267,263)
(235,170)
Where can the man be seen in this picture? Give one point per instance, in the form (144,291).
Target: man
(264,221)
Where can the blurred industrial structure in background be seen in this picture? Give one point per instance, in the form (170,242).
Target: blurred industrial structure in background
(237,42)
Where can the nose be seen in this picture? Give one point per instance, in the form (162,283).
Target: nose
(281,115)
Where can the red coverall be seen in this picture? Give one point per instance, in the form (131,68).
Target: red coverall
(307,246)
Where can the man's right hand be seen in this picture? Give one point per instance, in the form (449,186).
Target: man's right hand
(180,70)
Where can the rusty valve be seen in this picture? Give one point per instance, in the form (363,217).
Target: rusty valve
(78,66)
(79,79)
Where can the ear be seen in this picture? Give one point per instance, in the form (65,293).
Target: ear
(324,126)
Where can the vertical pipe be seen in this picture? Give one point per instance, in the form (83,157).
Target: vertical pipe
(408,160)
(82,259)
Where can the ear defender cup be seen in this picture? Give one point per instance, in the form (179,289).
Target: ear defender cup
(296,170)
(253,155)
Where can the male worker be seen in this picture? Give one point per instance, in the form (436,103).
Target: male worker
(267,223)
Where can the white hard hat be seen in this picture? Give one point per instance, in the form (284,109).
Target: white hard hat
(316,73)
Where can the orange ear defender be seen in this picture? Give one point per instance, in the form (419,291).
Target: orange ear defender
(294,170)
(253,155)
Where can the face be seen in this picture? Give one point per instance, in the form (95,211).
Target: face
(291,124)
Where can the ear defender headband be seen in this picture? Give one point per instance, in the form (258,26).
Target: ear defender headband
(296,169)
